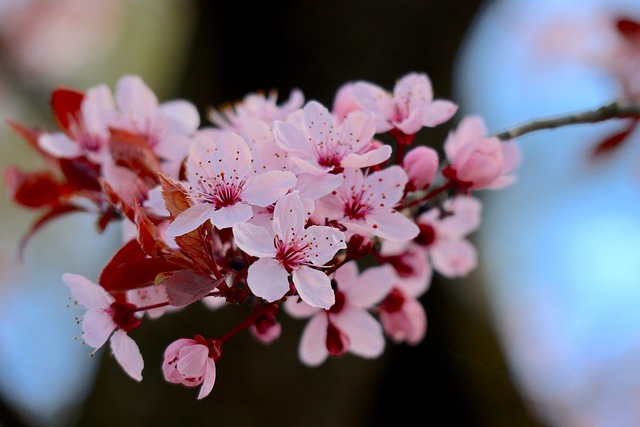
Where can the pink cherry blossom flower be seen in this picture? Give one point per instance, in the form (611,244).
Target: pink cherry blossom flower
(347,326)
(167,127)
(409,108)
(290,250)
(223,184)
(106,318)
(344,102)
(88,134)
(443,235)
(478,161)
(318,145)
(265,328)
(421,165)
(255,106)
(366,204)
(403,317)
(192,362)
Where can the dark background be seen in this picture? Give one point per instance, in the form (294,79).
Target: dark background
(456,377)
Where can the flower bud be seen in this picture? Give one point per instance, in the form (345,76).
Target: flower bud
(421,166)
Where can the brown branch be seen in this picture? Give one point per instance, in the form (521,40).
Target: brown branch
(619,109)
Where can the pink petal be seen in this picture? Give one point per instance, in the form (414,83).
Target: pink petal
(318,123)
(192,360)
(266,188)
(209,378)
(190,219)
(465,219)
(366,338)
(97,326)
(453,258)
(377,100)
(313,186)
(408,324)
(438,112)
(388,184)
(292,139)
(59,145)
(289,216)
(313,347)
(314,287)
(324,243)
(373,285)
(268,279)
(393,226)
(370,158)
(357,131)
(299,309)
(136,101)
(182,116)
(254,240)
(347,276)
(228,216)
(127,354)
(233,156)
(89,294)
(98,111)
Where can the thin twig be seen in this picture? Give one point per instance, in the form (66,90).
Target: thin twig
(619,109)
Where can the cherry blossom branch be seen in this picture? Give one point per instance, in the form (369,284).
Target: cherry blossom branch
(619,109)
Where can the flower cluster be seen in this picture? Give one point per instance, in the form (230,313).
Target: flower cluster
(328,214)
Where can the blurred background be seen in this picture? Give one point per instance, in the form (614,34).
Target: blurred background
(544,333)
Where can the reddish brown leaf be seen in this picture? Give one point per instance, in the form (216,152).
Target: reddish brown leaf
(135,274)
(196,243)
(629,28)
(185,287)
(614,141)
(80,173)
(134,152)
(148,235)
(129,252)
(34,189)
(175,197)
(116,201)
(66,106)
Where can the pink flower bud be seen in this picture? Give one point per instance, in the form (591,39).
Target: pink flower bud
(421,166)
(191,362)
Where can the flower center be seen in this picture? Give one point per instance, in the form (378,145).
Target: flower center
(290,255)
(357,207)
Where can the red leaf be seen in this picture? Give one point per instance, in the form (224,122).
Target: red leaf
(148,235)
(194,244)
(185,287)
(134,152)
(629,28)
(116,201)
(614,141)
(34,189)
(135,274)
(175,197)
(66,106)
(130,251)
(81,173)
